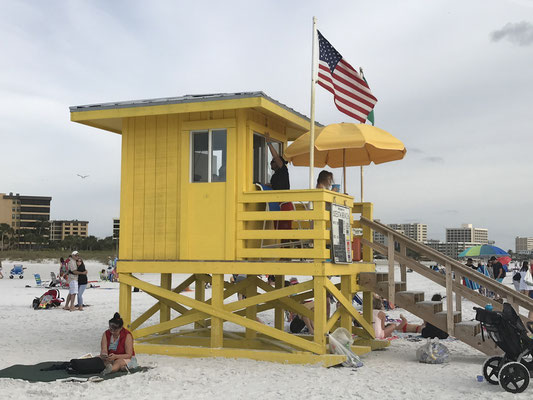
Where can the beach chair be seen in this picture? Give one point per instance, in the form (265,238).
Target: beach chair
(39,282)
(54,281)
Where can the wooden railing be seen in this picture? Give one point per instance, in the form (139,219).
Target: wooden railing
(452,280)
(257,237)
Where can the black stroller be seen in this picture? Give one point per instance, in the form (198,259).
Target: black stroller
(512,370)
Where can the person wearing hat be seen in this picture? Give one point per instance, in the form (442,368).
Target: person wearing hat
(72,280)
(470,263)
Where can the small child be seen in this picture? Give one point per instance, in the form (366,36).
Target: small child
(103,275)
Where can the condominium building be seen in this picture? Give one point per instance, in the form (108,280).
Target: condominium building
(467,233)
(116,228)
(451,249)
(415,231)
(60,229)
(23,212)
(524,245)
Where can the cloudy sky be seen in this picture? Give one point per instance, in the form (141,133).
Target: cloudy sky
(454,81)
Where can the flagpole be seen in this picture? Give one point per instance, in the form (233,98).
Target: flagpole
(312,116)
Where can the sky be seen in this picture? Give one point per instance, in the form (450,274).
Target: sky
(453,79)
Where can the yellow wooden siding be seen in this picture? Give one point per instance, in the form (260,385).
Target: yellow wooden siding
(126,190)
(172,185)
(139,176)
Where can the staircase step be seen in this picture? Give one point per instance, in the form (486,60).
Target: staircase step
(467,328)
(384,287)
(432,307)
(382,276)
(409,297)
(367,279)
(443,315)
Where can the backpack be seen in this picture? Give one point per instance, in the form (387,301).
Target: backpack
(93,365)
(517,276)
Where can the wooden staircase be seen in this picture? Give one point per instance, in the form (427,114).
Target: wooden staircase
(445,316)
(430,311)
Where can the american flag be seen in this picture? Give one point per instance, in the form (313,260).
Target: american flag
(351,93)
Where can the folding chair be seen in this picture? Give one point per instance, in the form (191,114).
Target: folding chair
(39,282)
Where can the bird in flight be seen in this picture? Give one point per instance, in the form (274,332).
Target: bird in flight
(82,176)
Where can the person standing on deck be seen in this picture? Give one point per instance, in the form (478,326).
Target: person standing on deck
(280,178)
(280,181)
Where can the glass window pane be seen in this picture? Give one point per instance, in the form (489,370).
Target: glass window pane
(200,150)
(218,157)
(259,159)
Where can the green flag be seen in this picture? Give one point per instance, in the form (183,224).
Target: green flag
(370,116)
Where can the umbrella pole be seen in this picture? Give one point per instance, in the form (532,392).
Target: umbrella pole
(344,168)
(361,183)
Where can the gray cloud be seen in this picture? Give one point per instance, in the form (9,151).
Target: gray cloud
(434,159)
(520,33)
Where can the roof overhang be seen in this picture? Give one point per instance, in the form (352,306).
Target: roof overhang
(109,116)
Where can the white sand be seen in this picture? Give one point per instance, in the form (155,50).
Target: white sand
(29,336)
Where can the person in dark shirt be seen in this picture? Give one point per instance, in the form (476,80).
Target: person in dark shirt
(280,179)
(497,269)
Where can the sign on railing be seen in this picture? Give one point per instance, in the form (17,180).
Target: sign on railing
(341,244)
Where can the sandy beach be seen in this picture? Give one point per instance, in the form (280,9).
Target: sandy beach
(29,336)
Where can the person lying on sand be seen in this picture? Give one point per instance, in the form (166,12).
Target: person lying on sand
(116,347)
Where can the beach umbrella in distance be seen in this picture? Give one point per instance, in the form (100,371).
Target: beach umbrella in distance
(346,145)
(505,260)
(484,250)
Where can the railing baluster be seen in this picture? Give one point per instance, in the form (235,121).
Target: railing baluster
(391,268)
(458,298)
(449,299)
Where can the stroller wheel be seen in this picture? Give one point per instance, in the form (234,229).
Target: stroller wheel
(491,369)
(514,377)
(21,276)
(10,276)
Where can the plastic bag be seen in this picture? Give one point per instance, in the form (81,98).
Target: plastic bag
(528,279)
(339,343)
(433,352)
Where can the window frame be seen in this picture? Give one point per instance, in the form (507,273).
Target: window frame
(209,154)
(266,153)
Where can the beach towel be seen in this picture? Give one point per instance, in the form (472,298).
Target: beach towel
(45,372)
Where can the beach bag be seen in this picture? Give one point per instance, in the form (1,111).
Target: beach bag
(93,365)
(340,343)
(433,352)
(528,279)
(517,276)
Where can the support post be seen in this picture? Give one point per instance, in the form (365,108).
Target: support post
(279,313)
(199,294)
(125,301)
(367,212)
(217,301)
(320,312)
(391,267)
(251,311)
(403,267)
(449,300)
(458,298)
(346,318)
(164,309)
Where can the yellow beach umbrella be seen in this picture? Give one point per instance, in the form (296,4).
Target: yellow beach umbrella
(347,145)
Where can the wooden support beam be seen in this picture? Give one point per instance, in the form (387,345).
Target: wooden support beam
(449,300)
(390,256)
(348,306)
(320,311)
(334,318)
(199,294)
(217,301)
(164,312)
(222,314)
(125,299)
(346,319)
(279,313)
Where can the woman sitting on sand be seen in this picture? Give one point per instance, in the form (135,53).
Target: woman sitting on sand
(381,329)
(117,347)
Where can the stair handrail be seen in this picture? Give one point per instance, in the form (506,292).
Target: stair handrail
(456,266)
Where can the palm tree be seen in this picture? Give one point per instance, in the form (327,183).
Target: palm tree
(6,232)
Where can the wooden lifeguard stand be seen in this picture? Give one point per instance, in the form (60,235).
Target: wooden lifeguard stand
(189,205)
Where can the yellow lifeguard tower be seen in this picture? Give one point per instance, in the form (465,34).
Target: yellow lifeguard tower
(190,205)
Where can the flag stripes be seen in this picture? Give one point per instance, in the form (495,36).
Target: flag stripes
(351,93)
